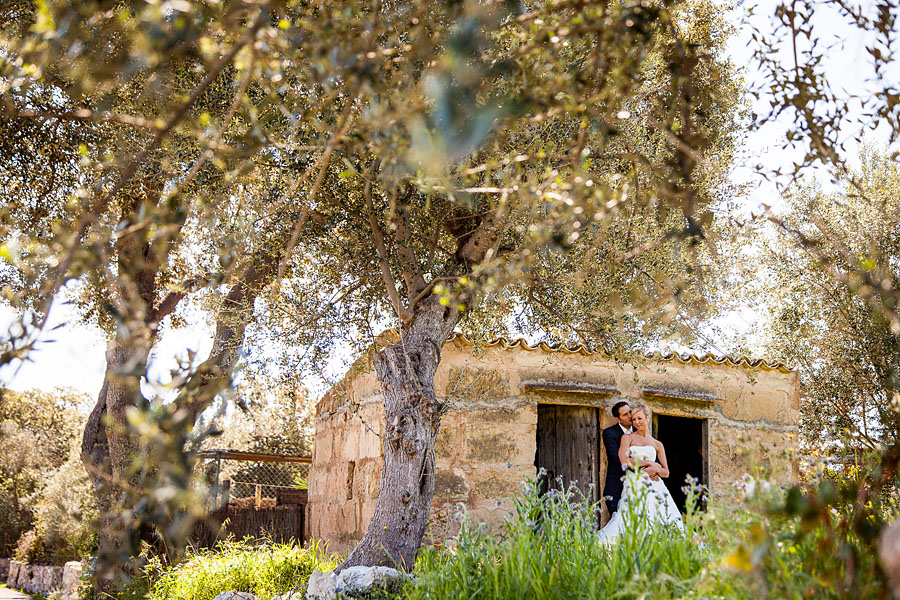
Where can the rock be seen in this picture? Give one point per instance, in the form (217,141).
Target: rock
(357,579)
(292,595)
(4,569)
(326,586)
(23,577)
(71,580)
(232,595)
(13,574)
(44,579)
(321,586)
(889,553)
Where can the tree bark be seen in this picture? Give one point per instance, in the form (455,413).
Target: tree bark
(107,451)
(412,411)
(406,372)
(214,374)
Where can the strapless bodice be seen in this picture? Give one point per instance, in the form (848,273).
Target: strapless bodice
(642,453)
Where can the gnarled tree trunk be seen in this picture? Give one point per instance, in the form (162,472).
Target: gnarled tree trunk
(406,372)
(108,451)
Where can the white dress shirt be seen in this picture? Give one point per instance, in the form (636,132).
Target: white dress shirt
(629,430)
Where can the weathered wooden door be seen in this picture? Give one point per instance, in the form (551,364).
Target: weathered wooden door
(567,446)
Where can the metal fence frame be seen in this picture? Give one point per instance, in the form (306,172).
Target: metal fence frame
(223,488)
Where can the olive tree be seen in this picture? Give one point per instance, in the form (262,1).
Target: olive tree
(360,164)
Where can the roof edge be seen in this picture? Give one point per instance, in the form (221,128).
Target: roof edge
(687,358)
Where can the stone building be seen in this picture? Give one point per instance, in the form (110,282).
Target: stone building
(512,408)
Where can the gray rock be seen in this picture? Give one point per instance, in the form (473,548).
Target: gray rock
(232,595)
(13,574)
(321,586)
(71,580)
(889,553)
(23,577)
(45,579)
(292,595)
(327,586)
(4,569)
(356,579)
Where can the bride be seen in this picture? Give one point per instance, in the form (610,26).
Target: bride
(645,495)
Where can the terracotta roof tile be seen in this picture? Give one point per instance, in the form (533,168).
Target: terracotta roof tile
(703,359)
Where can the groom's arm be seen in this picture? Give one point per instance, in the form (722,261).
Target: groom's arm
(611,443)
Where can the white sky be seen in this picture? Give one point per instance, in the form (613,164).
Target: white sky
(73,354)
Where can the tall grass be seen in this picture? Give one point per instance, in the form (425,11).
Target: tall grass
(769,545)
(547,549)
(263,570)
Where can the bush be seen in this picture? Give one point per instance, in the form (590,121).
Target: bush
(63,514)
(818,541)
(773,544)
(37,432)
(264,571)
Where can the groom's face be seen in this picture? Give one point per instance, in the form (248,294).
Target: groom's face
(624,417)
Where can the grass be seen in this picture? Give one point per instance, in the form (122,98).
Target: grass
(549,550)
(765,546)
(264,571)
(757,548)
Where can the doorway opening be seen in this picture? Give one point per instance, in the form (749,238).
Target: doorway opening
(567,448)
(686,441)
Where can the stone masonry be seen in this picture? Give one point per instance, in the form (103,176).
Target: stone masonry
(44,579)
(487,442)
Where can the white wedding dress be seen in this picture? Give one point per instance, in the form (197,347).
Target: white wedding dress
(644,502)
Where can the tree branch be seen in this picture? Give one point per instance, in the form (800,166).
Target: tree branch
(412,273)
(214,374)
(322,162)
(403,313)
(100,204)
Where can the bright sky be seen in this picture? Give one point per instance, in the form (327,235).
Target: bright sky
(73,354)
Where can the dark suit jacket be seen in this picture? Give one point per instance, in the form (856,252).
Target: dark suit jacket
(612,437)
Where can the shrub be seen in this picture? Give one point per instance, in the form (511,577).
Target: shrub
(264,571)
(818,541)
(37,431)
(63,514)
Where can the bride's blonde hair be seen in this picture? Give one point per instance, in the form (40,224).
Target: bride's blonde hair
(641,407)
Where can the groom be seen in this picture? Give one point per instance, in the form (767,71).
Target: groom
(611,438)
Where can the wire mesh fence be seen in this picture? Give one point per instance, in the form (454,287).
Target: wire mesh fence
(233,474)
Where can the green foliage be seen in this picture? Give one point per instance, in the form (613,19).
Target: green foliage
(816,286)
(272,418)
(261,570)
(38,434)
(817,542)
(549,549)
(64,514)
(774,543)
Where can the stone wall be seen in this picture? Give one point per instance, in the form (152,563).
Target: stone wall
(487,442)
(44,579)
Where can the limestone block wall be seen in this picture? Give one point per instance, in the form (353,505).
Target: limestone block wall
(487,442)
(45,579)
